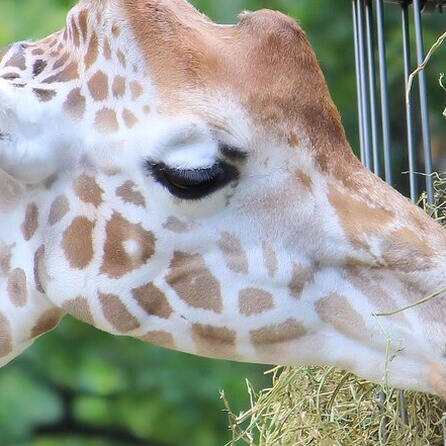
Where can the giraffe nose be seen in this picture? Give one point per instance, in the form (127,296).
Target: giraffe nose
(437,379)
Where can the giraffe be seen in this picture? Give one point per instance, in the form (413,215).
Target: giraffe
(190,185)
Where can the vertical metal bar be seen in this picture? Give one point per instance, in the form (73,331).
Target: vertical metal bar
(423,102)
(358,77)
(383,86)
(365,100)
(372,85)
(409,117)
(403,409)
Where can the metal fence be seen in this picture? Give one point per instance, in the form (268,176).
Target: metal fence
(373,104)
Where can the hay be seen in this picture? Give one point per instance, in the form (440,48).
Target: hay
(323,406)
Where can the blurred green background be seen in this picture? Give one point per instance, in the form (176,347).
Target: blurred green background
(80,387)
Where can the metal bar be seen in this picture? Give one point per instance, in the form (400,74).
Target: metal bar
(383,87)
(372,85)
(409,117)
(365,100)
(403,410)
(358,77)
(423,103)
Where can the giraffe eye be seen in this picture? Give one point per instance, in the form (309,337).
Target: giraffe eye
(193,184)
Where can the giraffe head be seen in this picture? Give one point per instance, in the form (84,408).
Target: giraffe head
(190,185)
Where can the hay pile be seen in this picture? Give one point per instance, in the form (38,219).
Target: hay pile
(327,407)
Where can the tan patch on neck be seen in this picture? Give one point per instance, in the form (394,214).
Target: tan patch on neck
(117,262)
(129,118)
(304,179)
(87,189)
(41,276)
(61,61)
(11,192)
(255,301)
(17,289)
(59,208)
(69,73)
(161,338)
(214,341)
(5,336)
(153,301)
(301,277)
(106,121)
(117,314)
(83,16)
(5,258)
(121,59)
(47,322)
(17,60)
(337,311)
(289,330)
(75,104)
(136,90)
(92,52)
(98,86)
(75,33)
(29,226)
(147,109)
(79,309)
(107,49)
(44,95)
(270,259)
(116,31)
(129,193)
(77,242)
(178,226)
(194,283)
(405,250)
(119,87)
(235,256)
(358,218)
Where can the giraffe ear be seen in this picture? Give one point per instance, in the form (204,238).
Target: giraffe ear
(28,135)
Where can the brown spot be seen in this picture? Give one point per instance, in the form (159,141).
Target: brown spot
(92,52)
(17,289)
(75,104)
(5,336)
(153,301)
(77,242)
(118,87)
(98,86)
(337,311)
(10,76)
(117,314)
(176,225)
(214,341)
(147,109)
(116,31)
(358,218)
(129,118)
(161,338)
(107,49)
(293,140)
(235,256)
(61,61)
(117,262)
(59,208)
(48,321)
(128,194)
(83,24)
(301,277)
(29,226)
(255,301)
(17,60)
(37,52)
(270,259)
(44,95)
(136,90)
(41,276)
(86,188)
(304,179)
(121,59)
(194,282)
(404,249)
(5,258)
(106,121)
(38,67)
(277,334)
(75,32)
(79,309)
(69,73)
